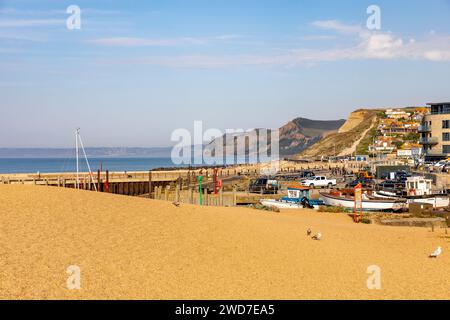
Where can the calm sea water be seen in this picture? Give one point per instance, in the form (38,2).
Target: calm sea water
(45,165)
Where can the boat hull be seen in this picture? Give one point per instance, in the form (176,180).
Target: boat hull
(367,205)
(282,204)
(436,201)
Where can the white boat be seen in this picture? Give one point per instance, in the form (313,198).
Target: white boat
(437,201)
(346,200)
(298,198)
(418,190)
(281,204)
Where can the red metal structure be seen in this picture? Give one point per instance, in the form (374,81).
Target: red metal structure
(358,204)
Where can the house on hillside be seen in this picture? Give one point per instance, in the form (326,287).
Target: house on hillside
(383,145)
(410,150)
(397,114)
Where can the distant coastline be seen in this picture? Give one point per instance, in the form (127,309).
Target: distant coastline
(61,164)
(95,152)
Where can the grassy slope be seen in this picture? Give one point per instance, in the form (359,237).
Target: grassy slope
(335,143)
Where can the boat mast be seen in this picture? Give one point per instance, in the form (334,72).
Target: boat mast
(91,176)
(77,133)
(87,162)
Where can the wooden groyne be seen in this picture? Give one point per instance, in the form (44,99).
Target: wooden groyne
(171,185)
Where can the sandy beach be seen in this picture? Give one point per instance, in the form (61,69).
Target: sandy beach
(134,248)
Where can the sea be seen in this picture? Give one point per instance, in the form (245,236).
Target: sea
(56,165)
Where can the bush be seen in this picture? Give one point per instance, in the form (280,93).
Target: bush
(333,209)
(366,221)
(265,208)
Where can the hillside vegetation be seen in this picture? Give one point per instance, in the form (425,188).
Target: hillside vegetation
(356,134)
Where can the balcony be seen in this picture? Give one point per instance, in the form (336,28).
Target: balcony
(424,129)
(429,141)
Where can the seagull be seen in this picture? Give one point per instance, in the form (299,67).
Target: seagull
(176,204)
(318,236)
(436,253)
(308,233)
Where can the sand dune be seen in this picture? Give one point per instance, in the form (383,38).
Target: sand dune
(130,248)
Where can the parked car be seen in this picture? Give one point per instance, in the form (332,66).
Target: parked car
(402,175)
(366,183)
(306,174)
(295,175)
(264,185)
(440,164)
(318,182)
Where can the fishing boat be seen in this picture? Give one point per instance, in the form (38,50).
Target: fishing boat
(346,199)
(418,190)
(298,198)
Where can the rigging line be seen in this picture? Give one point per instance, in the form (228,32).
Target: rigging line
(87,162)
(77,135)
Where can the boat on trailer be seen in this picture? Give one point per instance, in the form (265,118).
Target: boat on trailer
(298,198)
(346,198)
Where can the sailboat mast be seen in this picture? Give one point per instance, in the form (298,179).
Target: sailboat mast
(87,161)
(76,155)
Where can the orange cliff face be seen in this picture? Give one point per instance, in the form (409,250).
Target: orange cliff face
(348,136)
(301,133)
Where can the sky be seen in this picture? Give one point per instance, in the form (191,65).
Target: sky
(135,71)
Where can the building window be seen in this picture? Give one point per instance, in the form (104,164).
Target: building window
(446,136)
(446,149)
(446,108)
(440,109)
(446,124)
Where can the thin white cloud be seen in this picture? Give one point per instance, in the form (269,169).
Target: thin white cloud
(384,45)
(318,37)
(19,23)
(148,42)
(139,42)
(14,37)
(22,12)
(368,46)
(337,26)
(228,37)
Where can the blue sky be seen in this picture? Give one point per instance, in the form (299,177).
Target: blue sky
(137,70)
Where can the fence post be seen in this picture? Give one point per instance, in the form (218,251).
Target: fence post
(98,180)
(177,194)
(166,193)
(150,184)
(206,200)
(106,186)
(234,196)
(191,196)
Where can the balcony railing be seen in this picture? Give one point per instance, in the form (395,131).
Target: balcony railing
(433,153)
(429,141)
(424,128)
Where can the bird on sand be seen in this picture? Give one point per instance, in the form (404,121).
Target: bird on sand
(318,236)
(309,232)
(176,203)
(436,253)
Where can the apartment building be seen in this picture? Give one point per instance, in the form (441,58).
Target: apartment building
(435,131)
